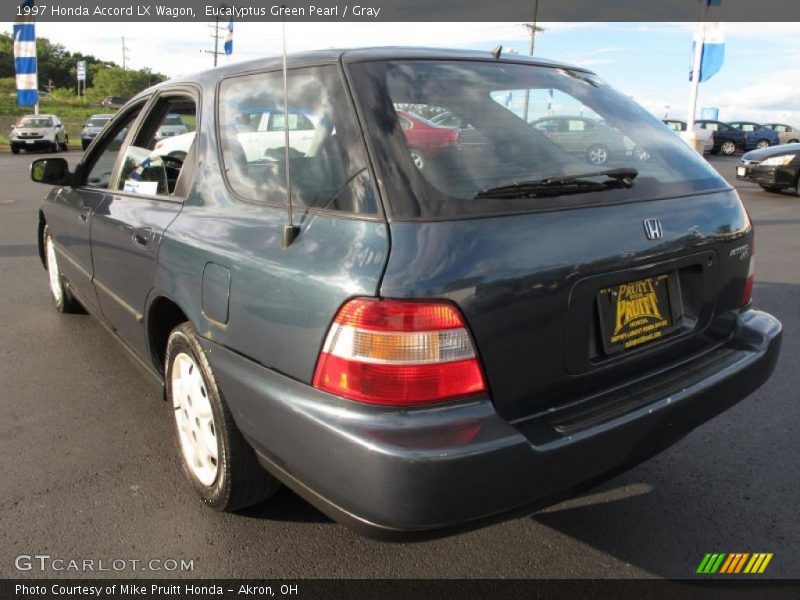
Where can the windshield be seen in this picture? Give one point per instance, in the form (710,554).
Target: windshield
(513,123)
(172,120)
(36,122)
(97,122)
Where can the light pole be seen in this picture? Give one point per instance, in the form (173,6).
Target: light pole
(533,28)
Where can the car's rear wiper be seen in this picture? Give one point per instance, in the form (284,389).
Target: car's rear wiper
(557,186)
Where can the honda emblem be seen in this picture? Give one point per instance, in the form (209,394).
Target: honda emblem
(652,229)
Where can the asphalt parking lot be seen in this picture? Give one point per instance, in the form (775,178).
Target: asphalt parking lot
(90,472)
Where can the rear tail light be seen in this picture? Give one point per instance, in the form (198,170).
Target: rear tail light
(747,294)
(399,353)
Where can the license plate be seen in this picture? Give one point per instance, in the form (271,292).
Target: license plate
(634,313)
(741,171)
(29,141)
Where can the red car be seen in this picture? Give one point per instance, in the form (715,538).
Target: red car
(426,139)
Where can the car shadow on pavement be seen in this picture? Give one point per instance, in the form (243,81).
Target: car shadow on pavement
(286,506)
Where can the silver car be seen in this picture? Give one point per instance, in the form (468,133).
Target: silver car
(597,142)
(171,126)
(38,132)
(787,133)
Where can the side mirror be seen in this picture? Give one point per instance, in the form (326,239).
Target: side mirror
(51,171)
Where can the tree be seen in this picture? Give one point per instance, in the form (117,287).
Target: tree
(116,81)
(59,65)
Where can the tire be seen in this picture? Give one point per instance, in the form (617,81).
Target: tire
(55,147)
(84,144)
(419,159)
(761,144)
(728,147)
(14,149)
(793,141)
(770,188)
(64,301)
(221,465)
(597,154)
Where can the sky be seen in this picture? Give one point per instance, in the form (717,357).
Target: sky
(647,61)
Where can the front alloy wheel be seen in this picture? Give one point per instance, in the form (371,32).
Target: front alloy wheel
(219,462)
(728,148)
(761,144)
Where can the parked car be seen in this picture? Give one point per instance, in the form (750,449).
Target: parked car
(677,126)
(788,134)
(409,349)
(92,127)
(171,125)
(425,139)
(114,101)
(758,137)
(468,135)
(585,137)
(727,140)
(37,132)
(774,169)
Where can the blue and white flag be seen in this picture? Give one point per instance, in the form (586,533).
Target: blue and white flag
(229,39)
(713,53)
(25,59)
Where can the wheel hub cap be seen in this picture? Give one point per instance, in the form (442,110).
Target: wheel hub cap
(197,431)
(52,271)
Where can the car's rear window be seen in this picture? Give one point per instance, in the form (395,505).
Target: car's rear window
(512,123)
(97,122)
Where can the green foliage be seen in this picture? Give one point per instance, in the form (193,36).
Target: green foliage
(115,81)
(63,94)
(8,87)
(58,66)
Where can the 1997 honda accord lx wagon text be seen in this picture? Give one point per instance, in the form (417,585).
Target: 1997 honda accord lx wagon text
(423,342)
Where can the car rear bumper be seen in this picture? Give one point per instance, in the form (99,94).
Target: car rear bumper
(391,472)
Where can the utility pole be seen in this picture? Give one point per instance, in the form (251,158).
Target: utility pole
(533,28)
(124,54)
(216,35)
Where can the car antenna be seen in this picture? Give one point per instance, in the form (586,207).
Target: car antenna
(497,51)
(290,230)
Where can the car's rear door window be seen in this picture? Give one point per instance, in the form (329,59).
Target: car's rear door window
(327,160)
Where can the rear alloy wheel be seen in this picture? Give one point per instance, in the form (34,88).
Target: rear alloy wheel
(418,158)
(221,465)
(728,148)
(761,144)
(62,298)
(597,154)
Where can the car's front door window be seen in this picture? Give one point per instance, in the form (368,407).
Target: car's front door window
(153,162)
(104,158)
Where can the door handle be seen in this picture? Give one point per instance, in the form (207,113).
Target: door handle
(141,237)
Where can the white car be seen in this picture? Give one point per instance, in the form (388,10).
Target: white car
(705,134)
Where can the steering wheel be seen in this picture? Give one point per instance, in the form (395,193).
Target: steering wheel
(173,162)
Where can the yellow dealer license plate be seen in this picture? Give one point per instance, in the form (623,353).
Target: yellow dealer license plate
(634,313)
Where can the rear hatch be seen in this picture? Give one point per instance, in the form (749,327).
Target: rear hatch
(584,242)
(566,304)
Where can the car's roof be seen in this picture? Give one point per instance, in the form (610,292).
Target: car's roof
(102,116)
(745,123)
(354,55)
(39,116)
